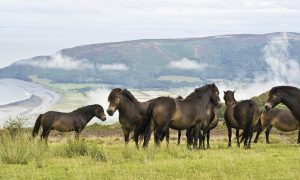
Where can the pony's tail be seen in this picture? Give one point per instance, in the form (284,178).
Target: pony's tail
(37,125)
(250,116)
(145,122)
(257,128)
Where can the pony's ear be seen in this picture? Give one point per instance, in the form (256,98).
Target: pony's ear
(213,86)
(224,92)
(123,91)
(233,91)
(179,97)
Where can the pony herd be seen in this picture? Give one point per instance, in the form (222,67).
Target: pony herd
(195,113)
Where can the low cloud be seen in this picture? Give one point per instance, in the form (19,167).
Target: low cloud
(114,66)
(281,70)
(187,64)
(60,61)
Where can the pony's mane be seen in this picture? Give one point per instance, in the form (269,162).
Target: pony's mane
(125,92)
(86,109)
(129,95)
(198,91)
(274,89)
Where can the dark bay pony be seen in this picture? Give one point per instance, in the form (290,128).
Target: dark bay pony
(240,115)
(66,122)
(188,113)
(213,122)
(283,120)
(131,111)
(287,95)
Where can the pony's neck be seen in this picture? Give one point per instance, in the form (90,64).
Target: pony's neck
(292,103)
(126,104)
(203,99)
(90,117)
(231,102)
(89,114)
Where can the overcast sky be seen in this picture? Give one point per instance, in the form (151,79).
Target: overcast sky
(40,27)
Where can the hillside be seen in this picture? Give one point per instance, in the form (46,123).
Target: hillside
(162,63)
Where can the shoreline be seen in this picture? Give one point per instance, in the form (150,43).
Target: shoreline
(40,100)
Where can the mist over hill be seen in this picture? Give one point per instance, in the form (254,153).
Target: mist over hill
(169,63)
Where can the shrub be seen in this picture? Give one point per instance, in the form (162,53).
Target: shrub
(20,149)
(75,148)
(14,125)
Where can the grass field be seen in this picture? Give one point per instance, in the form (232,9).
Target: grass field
(101,154)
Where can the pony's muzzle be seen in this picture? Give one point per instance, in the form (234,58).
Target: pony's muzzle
(110,111)
(268,106)
(103,118)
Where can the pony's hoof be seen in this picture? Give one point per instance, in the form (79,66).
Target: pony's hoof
(145,147)
(247,147)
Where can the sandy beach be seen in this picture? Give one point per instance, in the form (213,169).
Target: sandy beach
(41,99)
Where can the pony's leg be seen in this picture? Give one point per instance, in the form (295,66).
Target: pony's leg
(250,137)
(147,135)
(159,133)
(78,132)
(229,135)
(45,134)
(267,134)
(237,134)
(260,129)
(167,136)
(247,134)
(200,140)
(136,140)
(189,137)
(179,135)
(298,142)
(203,139)
(156,138)
(208,139)
(196,135)
(126,135)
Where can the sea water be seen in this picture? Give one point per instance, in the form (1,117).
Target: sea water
(10,94)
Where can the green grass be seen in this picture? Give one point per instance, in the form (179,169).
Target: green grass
(110,159)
